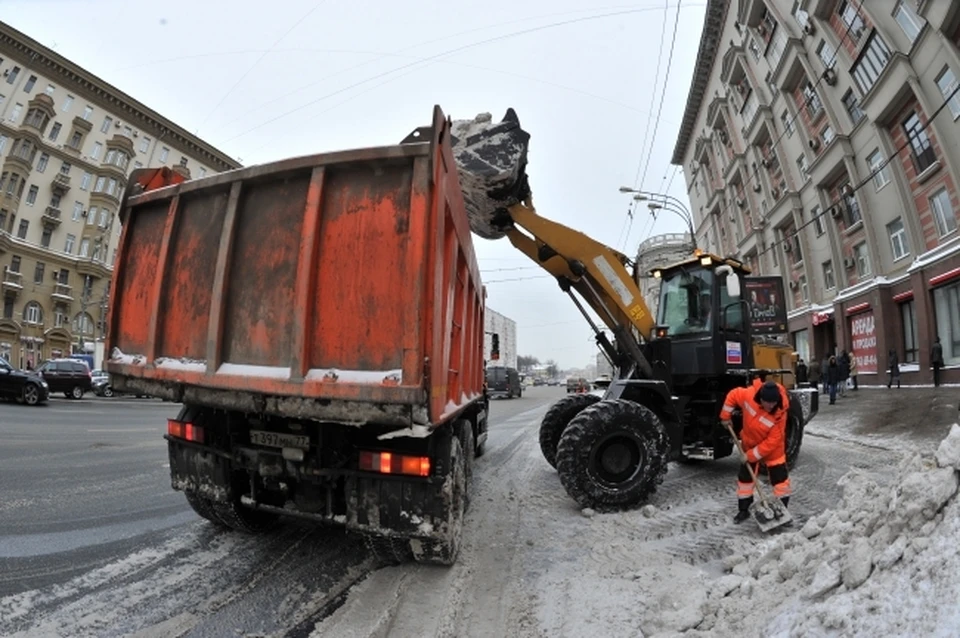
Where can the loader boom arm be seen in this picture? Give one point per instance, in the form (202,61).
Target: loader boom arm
(597,272)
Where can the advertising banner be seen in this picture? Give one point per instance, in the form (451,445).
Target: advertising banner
(864,335)
(768,305)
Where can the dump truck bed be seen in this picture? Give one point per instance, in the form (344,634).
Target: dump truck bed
(340,286)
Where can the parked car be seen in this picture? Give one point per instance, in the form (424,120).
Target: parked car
(70,376)
(21,385)
(102,387)
(504,382)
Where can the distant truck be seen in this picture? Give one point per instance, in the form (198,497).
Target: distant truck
(503,381)
(321,321)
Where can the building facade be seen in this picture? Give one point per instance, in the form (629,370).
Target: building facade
(656,252)
(506,331)
(68,142)
(821,142)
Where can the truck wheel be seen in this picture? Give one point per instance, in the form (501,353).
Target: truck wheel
(466,444)
(794,434)
(243,519)
(556,419)
(202,506)
(613,455)
(443,549)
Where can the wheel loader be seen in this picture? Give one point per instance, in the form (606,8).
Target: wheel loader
(673,371)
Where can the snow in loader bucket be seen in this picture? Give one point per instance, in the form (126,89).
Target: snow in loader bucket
(491,161)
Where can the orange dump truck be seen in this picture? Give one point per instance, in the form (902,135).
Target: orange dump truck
(321,321)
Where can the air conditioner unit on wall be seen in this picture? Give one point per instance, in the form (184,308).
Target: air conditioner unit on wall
(741,202)
(756,188)
(830,76)
(835,212)
(793,285)
(848,263)
(787,247)
(809,28)
(813,143)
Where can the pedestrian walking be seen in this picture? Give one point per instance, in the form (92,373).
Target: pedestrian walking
(893,368)
(814,372)
(833,378)
(824,365)
(763,439)
(936,358)
(801,371)
(844,363)
(853,371)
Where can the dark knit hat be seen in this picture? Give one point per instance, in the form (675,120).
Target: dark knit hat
(769,392)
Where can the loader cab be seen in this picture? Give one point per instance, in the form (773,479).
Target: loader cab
(702,313)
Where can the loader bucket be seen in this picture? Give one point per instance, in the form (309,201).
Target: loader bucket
(491,162)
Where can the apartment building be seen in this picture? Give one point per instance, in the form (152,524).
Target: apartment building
(68,142)
(659,251)
(820,142)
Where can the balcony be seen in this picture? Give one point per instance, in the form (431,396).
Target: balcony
(51,217)
(61,183)
(62,292)
(12,281)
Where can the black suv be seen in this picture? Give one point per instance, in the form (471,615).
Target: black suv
(70,376)
(21,385)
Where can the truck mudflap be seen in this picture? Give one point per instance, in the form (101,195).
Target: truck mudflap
(200,471)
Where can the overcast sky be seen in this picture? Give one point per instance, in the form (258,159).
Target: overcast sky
(263,81)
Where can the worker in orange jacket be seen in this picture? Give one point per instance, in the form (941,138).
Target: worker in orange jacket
(763,437)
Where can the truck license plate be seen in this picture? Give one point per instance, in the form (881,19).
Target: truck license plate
(277,439)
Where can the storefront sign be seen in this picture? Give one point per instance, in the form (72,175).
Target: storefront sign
(768,310)
(864,334)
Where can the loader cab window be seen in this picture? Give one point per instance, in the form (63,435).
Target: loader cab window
(686,306)
(731,307)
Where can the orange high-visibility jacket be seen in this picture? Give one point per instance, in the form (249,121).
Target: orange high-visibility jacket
(764,434)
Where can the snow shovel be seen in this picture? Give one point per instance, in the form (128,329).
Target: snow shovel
(770,513)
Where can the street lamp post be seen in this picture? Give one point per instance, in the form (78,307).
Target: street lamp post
(668,202)
(655,206)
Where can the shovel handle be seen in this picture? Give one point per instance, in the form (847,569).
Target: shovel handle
(743,455)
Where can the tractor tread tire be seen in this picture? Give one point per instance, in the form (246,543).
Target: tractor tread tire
(591,426)
(557,418)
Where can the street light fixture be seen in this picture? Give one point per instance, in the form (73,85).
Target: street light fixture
(655,206)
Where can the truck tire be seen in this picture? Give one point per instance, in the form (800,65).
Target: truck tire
(443,549)
(556,419)
(202,506)
(243,519)
(466,443)
(613,455)
(794,434)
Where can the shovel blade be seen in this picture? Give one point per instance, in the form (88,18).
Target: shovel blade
(770,515)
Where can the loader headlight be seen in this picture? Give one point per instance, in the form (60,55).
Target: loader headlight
(706,260)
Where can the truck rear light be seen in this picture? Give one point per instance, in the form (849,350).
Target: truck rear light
(186,431)
(390,463)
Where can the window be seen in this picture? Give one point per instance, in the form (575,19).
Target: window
(42,162)
(144,144)
(812,100)
(85,181)
(50,89)
(3,142)
(3,221)
(127,131)
(943,213)
(8,314)
(878,168)
(909,21)
(67,103)
(829,282)
(33,313)
(65,168)
(787,122)
(183,161)
(84,247)
(828,55)
(873,60)
(60,315)
(804,288)
(32,194)
(852,21)
(803,168)
(75,140)
(202,172)
(15,263)
(15,113)
(38,272)
(55,200)
(45,237)
(98,188)
(111,157)
(850,205)
(163,154)
(12,77)
(817,221)
(862,259)
(794,239)
(31,81)
(92,216)
(754,48)
(77,211)
(112,187)
(898,239)
(827,135)
(97,148)
(68,245)
(137,165)
(920,146)
(22,229)
(946,301)
(750,107)
(87,112)
(55,132)
(908,320)
(103,217)
(778,44)
(947,82)
(107,121)
(852,105)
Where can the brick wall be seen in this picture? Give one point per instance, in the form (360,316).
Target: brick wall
(921,192)
(812,125)
(850,42)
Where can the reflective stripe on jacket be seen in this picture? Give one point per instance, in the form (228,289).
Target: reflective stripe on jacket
(764,434)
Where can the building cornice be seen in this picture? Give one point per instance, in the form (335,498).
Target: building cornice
(706,56)
(33,54)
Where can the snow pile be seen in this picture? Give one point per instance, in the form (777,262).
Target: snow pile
(491,162)
(883,563)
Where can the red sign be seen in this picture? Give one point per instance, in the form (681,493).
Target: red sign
(863,332)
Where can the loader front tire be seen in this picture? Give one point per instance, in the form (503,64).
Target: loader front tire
(794,434)
(557,418)
(613,455)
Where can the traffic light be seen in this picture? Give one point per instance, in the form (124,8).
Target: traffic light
(495,347)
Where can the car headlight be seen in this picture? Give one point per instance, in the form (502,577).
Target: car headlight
(44,384)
